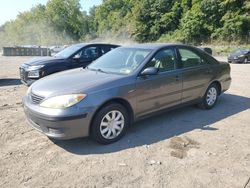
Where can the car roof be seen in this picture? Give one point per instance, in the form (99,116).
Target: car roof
(155,46)
(94,43)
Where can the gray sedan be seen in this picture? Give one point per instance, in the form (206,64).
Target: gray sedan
(121,87)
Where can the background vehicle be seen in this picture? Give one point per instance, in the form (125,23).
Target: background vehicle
(125,85)
(56,49)
(239,56)
(78,55)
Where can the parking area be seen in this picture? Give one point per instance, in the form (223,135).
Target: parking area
(187,147)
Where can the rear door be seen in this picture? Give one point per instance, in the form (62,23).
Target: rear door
(159,91)
(196,73)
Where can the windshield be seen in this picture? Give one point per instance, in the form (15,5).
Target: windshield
(241,51)
(120,60)
(67,52)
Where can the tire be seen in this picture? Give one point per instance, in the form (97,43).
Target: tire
(110,123)
(209,102)
(245,60)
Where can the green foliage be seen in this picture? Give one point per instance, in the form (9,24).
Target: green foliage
(65,16)
(153,18)
(189,21)
(111,17)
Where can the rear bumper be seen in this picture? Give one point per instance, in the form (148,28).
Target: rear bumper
(58,127)
(225,84)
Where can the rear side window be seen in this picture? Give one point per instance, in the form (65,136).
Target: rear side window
(105,49)
(190,58)
(210,60)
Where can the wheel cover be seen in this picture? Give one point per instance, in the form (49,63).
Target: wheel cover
(211,96)
(112,124)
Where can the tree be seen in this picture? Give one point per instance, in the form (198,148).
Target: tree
(63,21)
(65,16)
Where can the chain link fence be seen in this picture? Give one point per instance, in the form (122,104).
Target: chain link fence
(24,51)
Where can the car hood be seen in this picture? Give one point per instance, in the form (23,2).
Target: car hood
(74,81)
(43,61)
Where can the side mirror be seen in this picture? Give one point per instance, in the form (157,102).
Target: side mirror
(149,71)
(76,57)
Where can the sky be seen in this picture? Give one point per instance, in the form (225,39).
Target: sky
(9,9)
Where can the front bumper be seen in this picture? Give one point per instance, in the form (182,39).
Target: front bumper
(59,127)
(27,82)
(237,60)
(24,77)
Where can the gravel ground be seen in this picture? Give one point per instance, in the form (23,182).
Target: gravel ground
(188,147)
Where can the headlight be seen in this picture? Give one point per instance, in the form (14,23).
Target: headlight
(33,74)
(34,67)
(241,55)
(63,101)
(33,71)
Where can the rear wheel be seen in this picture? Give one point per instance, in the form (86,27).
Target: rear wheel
(210,98)
(110,123)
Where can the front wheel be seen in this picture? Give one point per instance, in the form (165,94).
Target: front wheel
(210,98)
(110,123)
(245,61)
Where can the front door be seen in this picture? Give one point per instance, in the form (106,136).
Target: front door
(160,91)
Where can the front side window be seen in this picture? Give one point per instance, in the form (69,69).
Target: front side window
(164,60)
(190,59)
(120,60)
(89,53)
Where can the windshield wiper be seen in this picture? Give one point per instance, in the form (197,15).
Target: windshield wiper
(99,70)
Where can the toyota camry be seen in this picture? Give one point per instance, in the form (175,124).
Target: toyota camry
(125,85)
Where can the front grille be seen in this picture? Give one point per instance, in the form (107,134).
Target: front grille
(22,74)
(36,99)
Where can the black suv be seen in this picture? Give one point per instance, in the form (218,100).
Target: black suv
(75,56)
